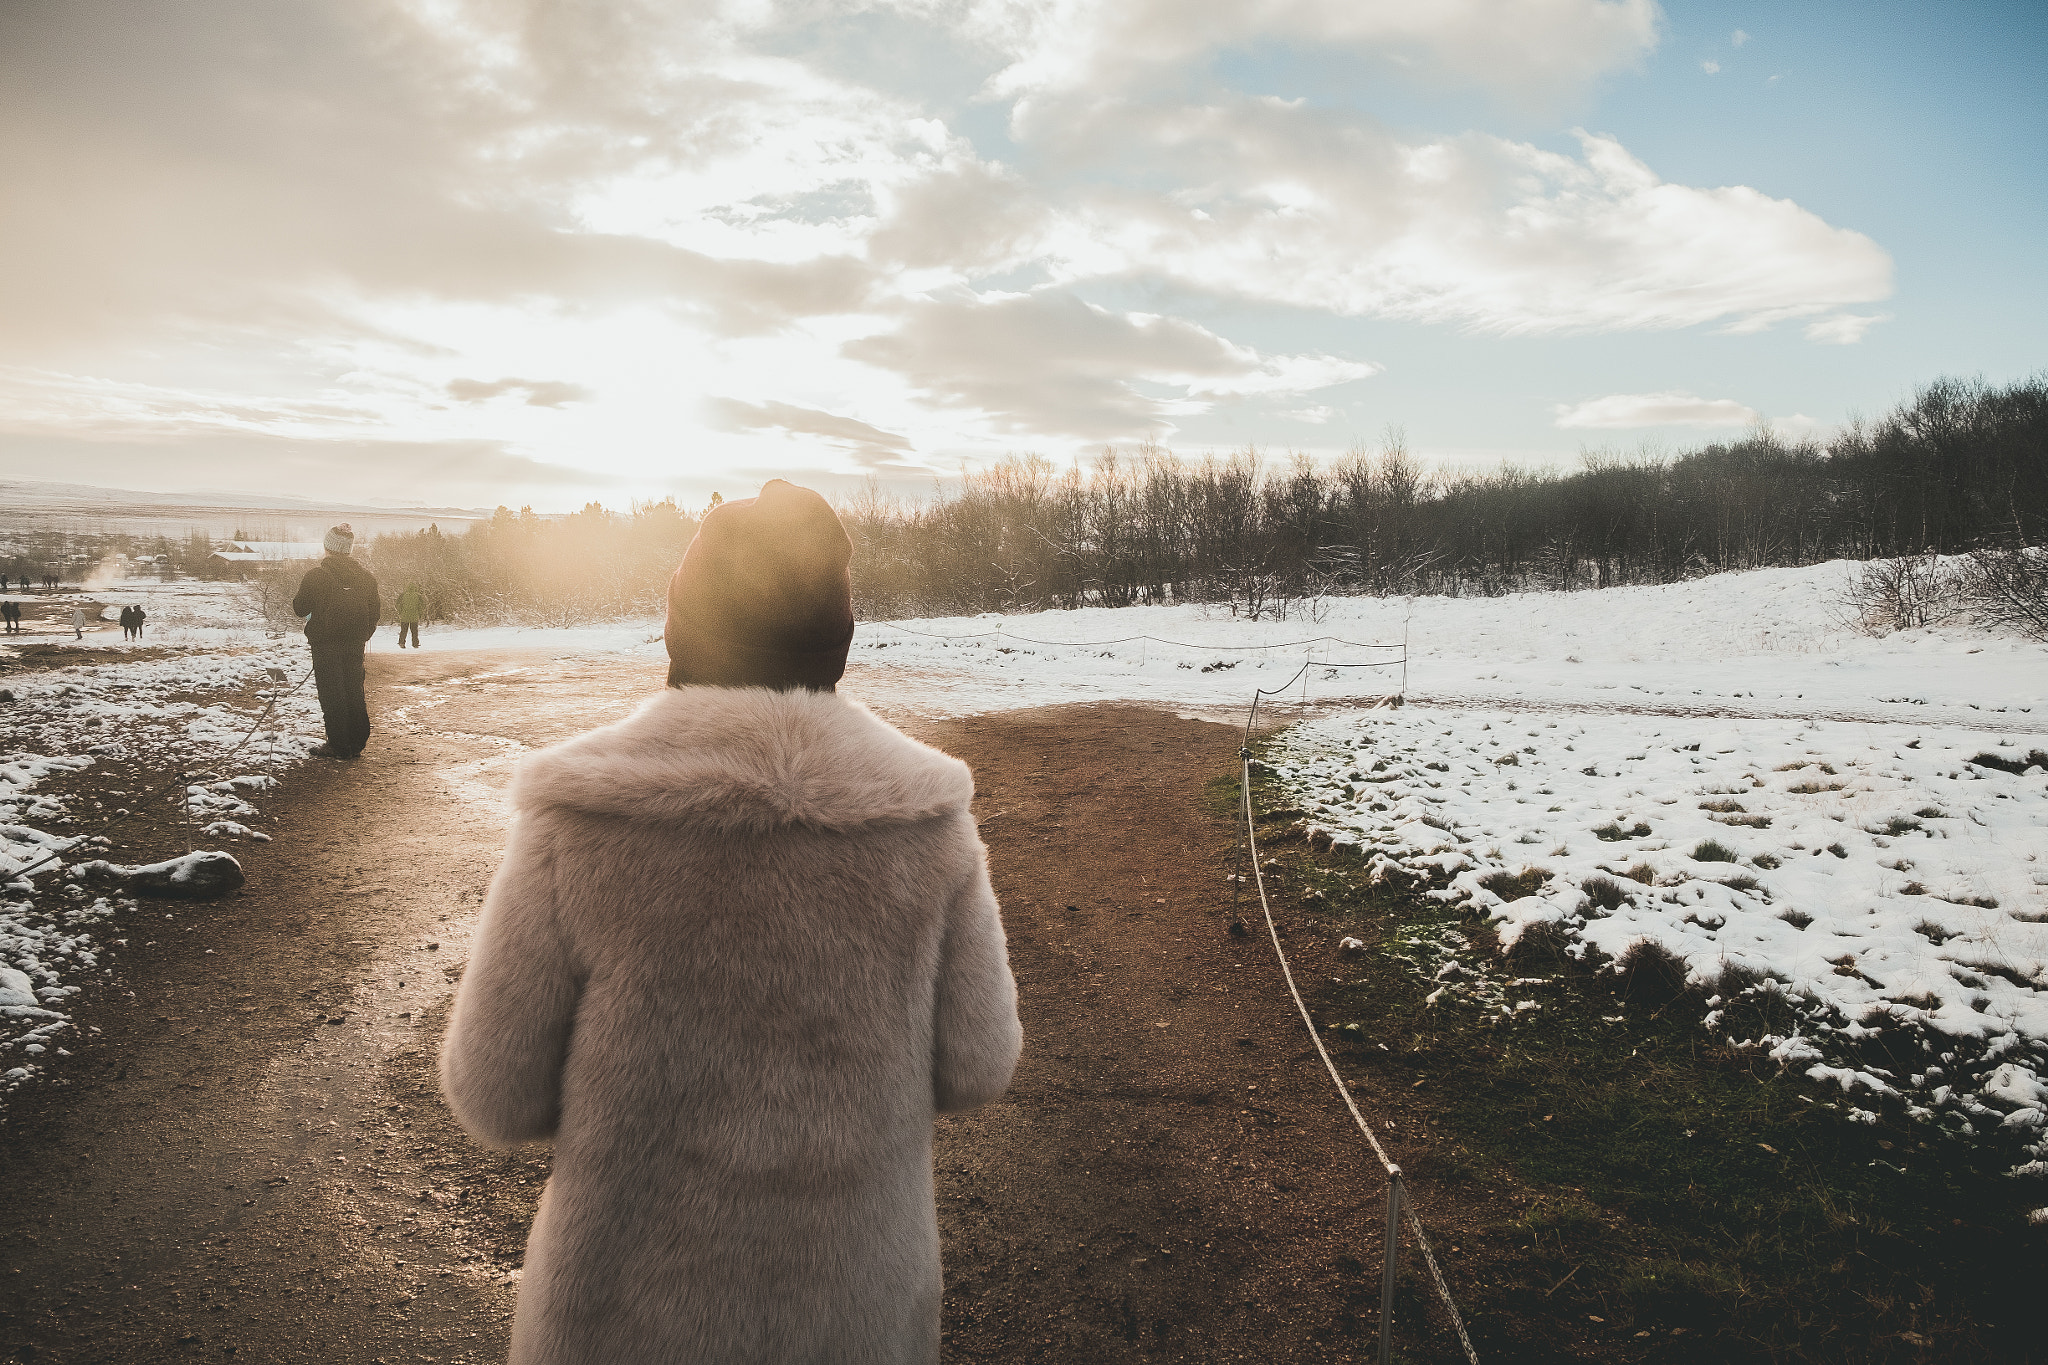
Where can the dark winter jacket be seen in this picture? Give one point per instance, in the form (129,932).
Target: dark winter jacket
(741,950)
(340,597)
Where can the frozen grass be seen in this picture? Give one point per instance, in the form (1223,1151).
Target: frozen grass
(95,753)
(1901,897)
(1676,1196)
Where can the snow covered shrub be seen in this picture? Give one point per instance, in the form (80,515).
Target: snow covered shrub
(2009,588)
(1906,593)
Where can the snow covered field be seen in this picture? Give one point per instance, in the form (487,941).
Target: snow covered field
(1720,767)
(96,750)
(1875,878)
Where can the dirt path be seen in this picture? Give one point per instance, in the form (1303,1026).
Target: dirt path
(250,1161)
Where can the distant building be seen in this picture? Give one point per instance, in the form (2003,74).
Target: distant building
(243,556)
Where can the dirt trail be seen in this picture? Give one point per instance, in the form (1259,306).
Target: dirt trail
(250,1161)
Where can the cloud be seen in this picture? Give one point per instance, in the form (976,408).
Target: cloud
(869,445)
(1275,202)
(540,393)
(1843,329)
(466,473)
(1048,363)
(329,221)
(1738,38)
(1712,68)
(1058,47)
(1622,410)
(276,170)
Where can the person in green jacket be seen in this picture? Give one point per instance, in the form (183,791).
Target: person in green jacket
(411,603)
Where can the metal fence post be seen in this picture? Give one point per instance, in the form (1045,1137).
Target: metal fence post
(1393,1258)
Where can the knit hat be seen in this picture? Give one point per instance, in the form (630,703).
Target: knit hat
(339,540)
(762,597)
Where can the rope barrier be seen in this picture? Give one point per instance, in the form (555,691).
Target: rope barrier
(1130,639)
(1396,1204)
(183,777)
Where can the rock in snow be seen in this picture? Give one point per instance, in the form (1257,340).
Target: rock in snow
(202,876)
(16,990)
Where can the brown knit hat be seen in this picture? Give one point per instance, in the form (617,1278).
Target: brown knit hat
(762,597)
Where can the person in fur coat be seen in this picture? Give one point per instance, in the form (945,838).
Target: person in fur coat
(742,948)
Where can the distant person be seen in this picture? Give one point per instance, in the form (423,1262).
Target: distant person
(411,603)
(127,623)
(10,612)
(741,950)
(338,600)
(78,623)
(140,617)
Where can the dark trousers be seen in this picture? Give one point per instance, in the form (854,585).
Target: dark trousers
(414,627)
(338,677)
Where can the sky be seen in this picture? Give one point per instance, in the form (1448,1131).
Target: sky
(475,252)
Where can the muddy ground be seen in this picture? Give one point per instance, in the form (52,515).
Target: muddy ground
(250,1161)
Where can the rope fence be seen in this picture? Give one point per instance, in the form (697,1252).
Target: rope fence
(1398,1206)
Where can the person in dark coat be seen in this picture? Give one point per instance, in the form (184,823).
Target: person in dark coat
(741,950)
(127,623)
(338,599)
(140,617)
(10,612)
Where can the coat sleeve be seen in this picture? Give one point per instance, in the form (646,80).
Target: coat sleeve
(501,1065)
(307,599)
(976,1036)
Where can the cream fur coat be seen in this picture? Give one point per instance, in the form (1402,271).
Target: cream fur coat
(741,950)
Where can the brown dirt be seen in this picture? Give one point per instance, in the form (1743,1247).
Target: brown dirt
(249,1161)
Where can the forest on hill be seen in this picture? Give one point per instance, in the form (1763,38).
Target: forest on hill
(1963,466)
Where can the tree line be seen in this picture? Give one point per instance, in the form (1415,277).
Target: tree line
(1962,466)
(525,569)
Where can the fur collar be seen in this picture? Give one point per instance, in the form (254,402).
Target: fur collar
(746,758)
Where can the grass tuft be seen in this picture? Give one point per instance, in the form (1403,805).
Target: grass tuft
(1512,886)
(1604,892)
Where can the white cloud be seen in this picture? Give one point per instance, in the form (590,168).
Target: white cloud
(1278,203)
(1738,38)
(869,445)
(1051,364)
(1525,47)
(1843,329)
(1712,68)
(540,393)
(1619,411)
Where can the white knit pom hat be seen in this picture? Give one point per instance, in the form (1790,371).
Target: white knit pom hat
(339,540)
